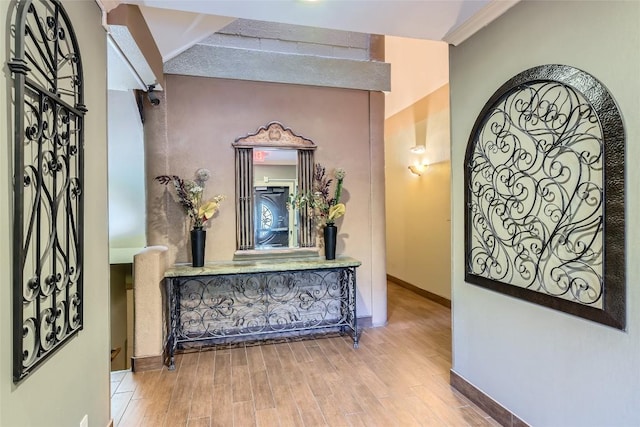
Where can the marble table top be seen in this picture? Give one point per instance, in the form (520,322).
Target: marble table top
(218,268)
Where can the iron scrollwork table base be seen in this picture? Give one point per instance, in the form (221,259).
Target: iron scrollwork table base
(230,302)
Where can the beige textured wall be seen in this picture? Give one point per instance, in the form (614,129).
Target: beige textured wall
(198,120)
(149,266)
(418,207)
(75,380)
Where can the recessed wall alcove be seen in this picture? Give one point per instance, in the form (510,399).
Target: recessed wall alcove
(199,118)
(195,125)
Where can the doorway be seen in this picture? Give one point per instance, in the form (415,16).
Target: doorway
(271,217)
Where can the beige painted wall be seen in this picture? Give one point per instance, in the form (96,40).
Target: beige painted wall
(120,277)
(126,177)
(548,367)
(418,67)
(75,381)
(197,122)
(418,207)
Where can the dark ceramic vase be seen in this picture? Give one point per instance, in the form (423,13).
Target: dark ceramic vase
(330,235)
(198,240)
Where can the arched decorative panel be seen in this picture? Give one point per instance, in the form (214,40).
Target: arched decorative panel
(48,183)
(544,194)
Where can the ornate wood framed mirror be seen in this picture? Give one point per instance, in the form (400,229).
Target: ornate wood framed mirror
(271,165)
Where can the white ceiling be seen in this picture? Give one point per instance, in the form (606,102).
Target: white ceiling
(177,24)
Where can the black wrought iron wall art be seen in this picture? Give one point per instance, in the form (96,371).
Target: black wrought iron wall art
(544,194)
(48,183)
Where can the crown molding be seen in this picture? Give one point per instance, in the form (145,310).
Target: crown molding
(108,5)
(478,21)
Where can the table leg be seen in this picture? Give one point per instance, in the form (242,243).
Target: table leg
(172,319)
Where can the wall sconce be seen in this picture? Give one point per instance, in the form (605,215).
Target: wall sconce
(418,169)
(418,149)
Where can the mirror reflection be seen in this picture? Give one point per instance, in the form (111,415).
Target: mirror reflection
(275,179)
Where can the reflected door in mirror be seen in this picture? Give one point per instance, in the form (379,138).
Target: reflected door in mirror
(272,217)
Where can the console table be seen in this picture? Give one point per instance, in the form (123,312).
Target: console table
(233,301)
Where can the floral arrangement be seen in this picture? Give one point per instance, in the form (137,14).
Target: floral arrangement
(320,203)
(190,192)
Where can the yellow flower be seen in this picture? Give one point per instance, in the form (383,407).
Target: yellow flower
(336,211)
(207,210)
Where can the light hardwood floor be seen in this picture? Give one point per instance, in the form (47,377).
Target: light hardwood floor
(398,377)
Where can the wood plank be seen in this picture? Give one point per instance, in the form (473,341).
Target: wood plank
(222,369)
(147,384)
(199,422)
(267,417)
(300,352)
(271,357)
(347,402)
(330,410)
(161,397)
(392,405)
(241,384)
(180,404)
(375,414)
(153,419)
(289,415)
(288,412)
(449,415)
(262,396)
(238,356)
(201,402)
(243,414)
(134,414)
(222,409)
(254,359)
